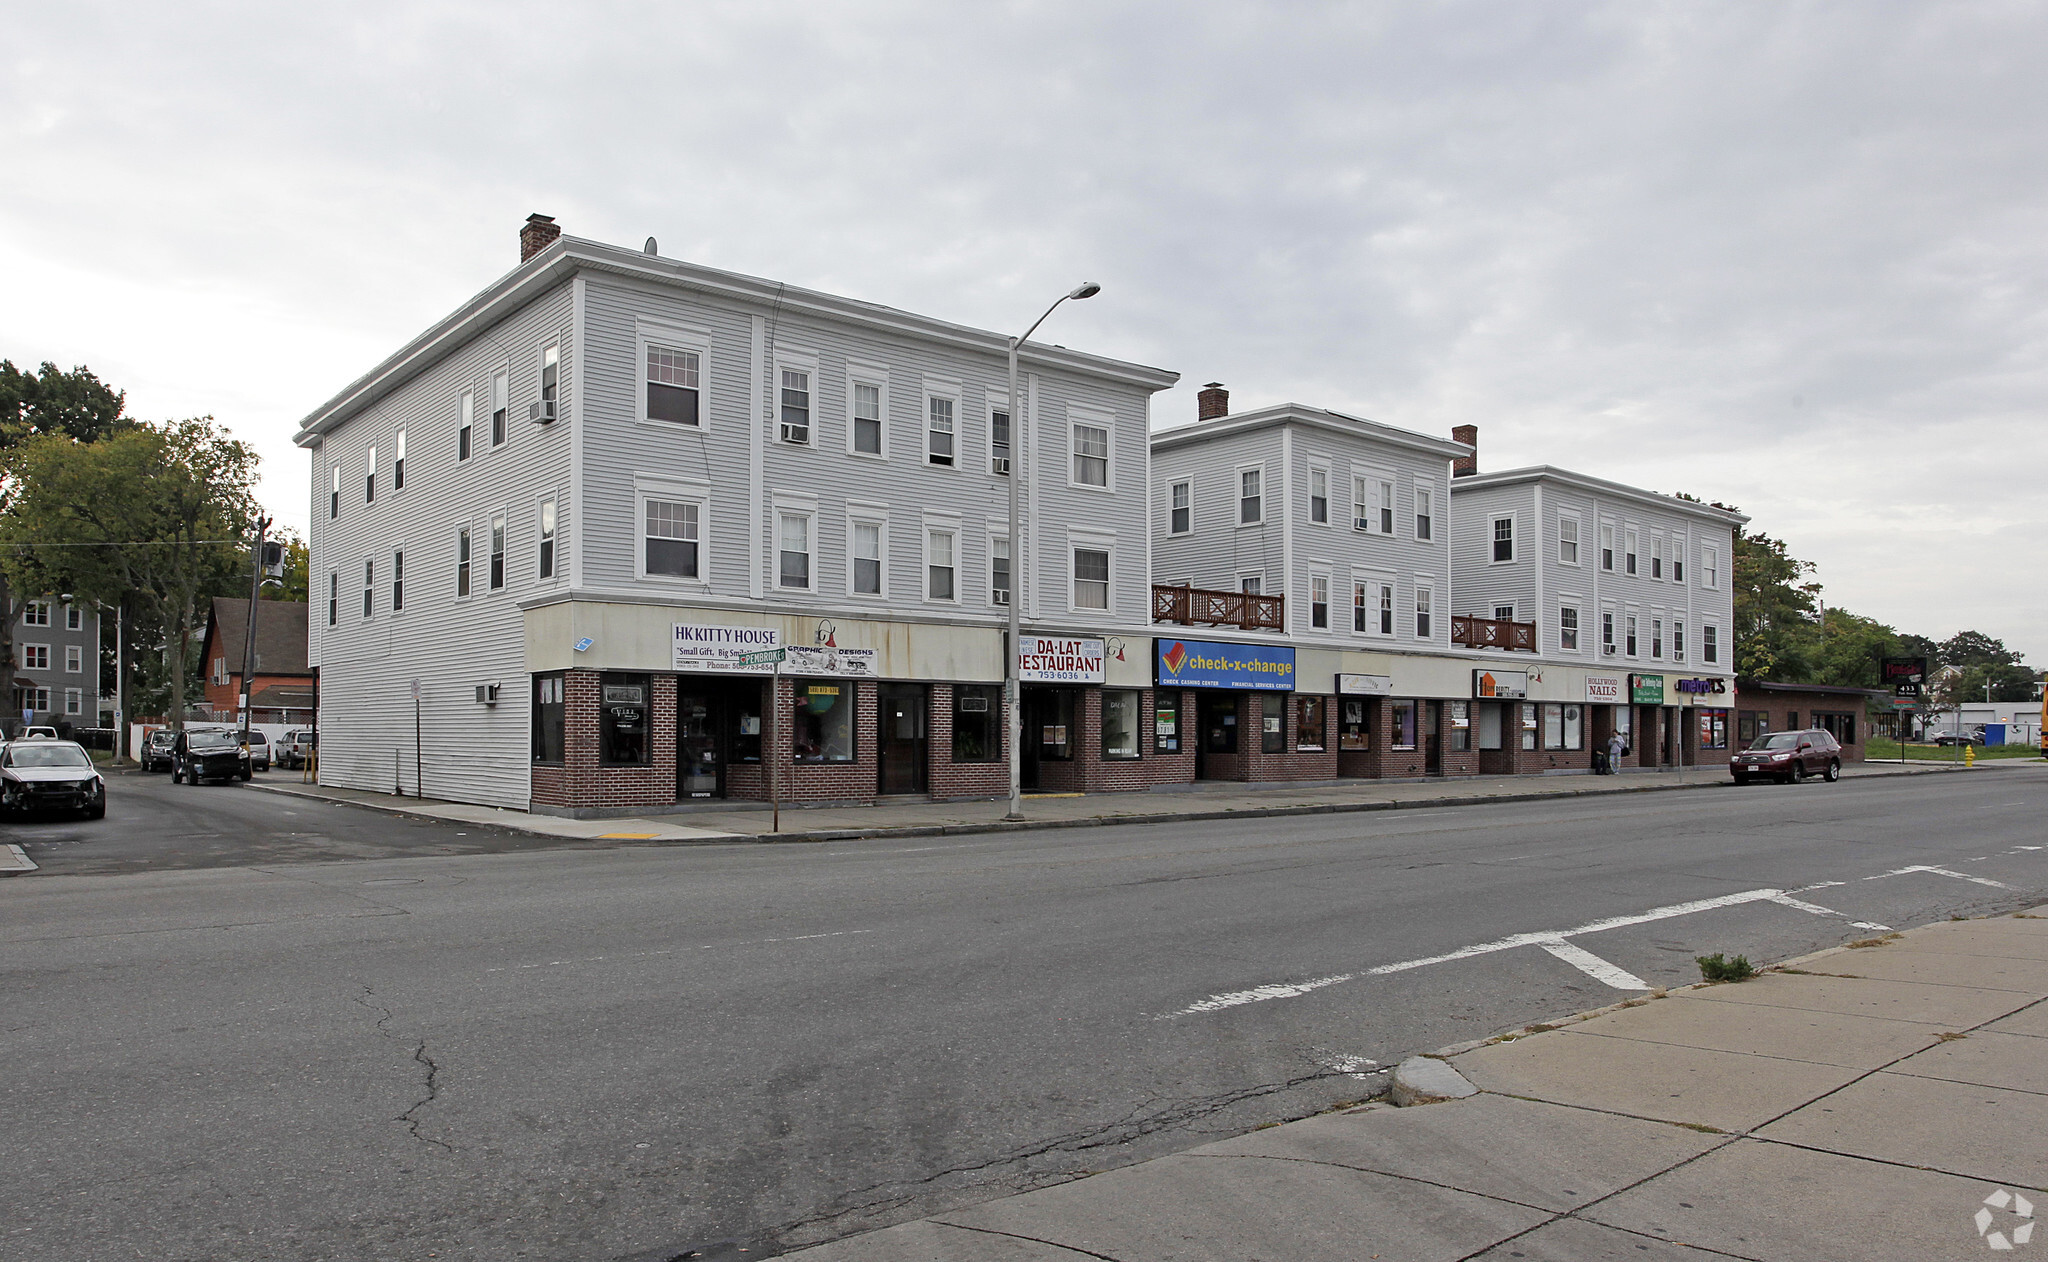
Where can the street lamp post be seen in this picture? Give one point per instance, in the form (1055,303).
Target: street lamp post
(1011,693)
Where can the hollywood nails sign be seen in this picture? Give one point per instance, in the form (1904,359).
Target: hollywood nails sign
(1047,659)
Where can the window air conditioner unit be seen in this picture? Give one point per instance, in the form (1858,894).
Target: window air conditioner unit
(999,465)
(541,412)
(1607,650)
(487,694)
(800,435)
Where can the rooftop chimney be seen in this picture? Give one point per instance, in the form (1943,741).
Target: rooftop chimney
(1465,466)
(1212,402)
(538,234)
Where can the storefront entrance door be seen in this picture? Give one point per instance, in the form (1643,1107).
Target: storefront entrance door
(905,749)
(1216,735)
(718,723)
(1432,738)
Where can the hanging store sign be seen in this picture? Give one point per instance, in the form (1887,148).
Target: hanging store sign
(1603,688)
(1051,659)
(1365,685)
(1213,664)
(721,648)
(1508,685)
(1646,689)
(1703,687)
(813,659)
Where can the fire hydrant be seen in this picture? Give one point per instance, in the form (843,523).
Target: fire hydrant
(1969,755)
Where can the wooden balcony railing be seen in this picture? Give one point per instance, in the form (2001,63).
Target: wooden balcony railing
(1190,605)
(1491,633)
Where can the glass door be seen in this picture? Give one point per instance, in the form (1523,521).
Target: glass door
(905,748)
(701,767)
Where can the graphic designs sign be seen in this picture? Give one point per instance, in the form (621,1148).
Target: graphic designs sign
(1210,664)
(1510,685)
(1365,685)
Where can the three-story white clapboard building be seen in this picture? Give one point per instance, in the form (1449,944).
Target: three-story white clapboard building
(558,517)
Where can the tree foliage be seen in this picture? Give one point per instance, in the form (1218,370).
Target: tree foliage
(76,404)
(1776,634)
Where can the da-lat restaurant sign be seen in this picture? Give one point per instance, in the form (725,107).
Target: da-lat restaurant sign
(1046,659)
(1213,664)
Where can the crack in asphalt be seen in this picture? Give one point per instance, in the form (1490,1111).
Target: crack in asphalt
(419,1055)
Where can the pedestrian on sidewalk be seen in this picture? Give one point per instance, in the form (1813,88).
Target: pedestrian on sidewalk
(1614,748)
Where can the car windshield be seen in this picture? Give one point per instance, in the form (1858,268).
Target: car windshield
(1777,740)
(47,756)
(213,740)
(258,738)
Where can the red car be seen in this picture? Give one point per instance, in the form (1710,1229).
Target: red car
(1788,756)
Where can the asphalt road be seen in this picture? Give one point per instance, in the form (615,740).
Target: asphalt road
(637,1053)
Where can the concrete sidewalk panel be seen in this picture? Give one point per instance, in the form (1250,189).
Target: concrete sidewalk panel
(1759,1200)
(1905,962)
(2004,936)
(1950,1007)
(1687,1085)
(1538,1154)
(1987,1058)
(1574,1240)
(1977,1132)
(928,1241)
(1197,1209)
(1824,1038)
(2033,1021)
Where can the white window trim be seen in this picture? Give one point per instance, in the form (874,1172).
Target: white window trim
(680,337)
(869,513)
(1578,541)
(74,701)
(1329,588)
(74,611)
(1631,614)
(1577,606)
(792,503)
(1657,570)
(1632,549)
(28,650)
(1308,499)
(1607,536)
(1715,628)
(1379,482)
(1105,422)
(560,555)
(1436,630)
(1377,579)
(1189,483)
(490,521)
(993,402)
(540,368)
(650,488)
(1423,486)
(945,525)
(74,659)
(995,529)
(939,388)
(369,589)
(1237,496)
(465,401)
(862,374)
(1493,521)
(1242,575)
(1710,567)
(1095,541)
(42,607)
(491,397)
(798,360)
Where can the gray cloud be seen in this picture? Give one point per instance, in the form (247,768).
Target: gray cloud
(1785,255)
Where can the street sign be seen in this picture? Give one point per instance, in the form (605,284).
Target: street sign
(766,657)
(415,690)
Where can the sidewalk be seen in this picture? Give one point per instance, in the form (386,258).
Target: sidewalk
(1882,1102)
(1214,800)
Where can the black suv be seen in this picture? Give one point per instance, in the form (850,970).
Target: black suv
(208,754)
(1788,756)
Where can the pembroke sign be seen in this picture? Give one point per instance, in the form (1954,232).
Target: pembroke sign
(1213,664)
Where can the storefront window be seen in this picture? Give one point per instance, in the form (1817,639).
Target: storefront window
(1402,724)
(1119,723)
(1840,726)
(1352,729)
(1528,713)
(623,722)
(1553,727)
(746,723)
(1272,735)
(1166,722)
(1564,726)
(1750,724)
(1575,727)
(824,723)
(1309,715)
(1713,729)
(977,726)
(1055,722)
(550,718)
(1624,719)
(1461,725)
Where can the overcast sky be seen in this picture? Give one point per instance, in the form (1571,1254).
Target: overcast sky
(1788,256)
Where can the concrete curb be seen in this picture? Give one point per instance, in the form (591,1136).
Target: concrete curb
(1426,1080)
(802,836)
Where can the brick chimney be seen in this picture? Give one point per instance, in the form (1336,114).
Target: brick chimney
(1465,466)
(538,234)
(1212,402)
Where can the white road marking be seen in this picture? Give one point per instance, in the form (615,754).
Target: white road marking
(1344,1063)
(1593,966)
(1927,867)
(1816,909)
(1280,990)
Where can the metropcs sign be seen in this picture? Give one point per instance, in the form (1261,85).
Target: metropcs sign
(1045,659)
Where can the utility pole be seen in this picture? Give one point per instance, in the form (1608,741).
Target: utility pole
(249,644)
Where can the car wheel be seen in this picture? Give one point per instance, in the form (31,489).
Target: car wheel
(244,773)
(1798,773)
(1741,779)
(1834,770)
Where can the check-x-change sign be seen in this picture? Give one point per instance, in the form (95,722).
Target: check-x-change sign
(1214,664)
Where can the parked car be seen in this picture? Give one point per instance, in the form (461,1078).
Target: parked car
(1968,736)
(37,733)
(208,754)
(1788,756)
(156,750)
(259,751)
(50,775)
(294,747)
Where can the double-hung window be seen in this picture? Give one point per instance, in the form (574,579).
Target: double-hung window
(1372,608)
(1629,558)
(35,656)
(74,659)
(370,478)
(1606,632)
(867,558)
(1425,517)
(1250,503)
(1606,547)
(497,551)
(397,580)
(1677,641)
(461,563)
(999,570)
(1181,508)
(546,561)
(1656,556)
(794,550)
(670,541)
(501,404)
(333,597)
(1657,637)
(1319,496)
(398,463)
(1710,569)
(1386,608)
(1568,628)
(674,384)
(938,430)
(1503,538)
(74,618)
(999,442)
(1710,643)
(796,406)
(36,613)
(1568,541)
(1319,601)
(1425,609)
(550,375)
(1091,578)
(1629,645)
(369,587)
(867,418)
(1091,455)
(938,565)
(465,424)
(1384,490)
(1678,551)
(334,495)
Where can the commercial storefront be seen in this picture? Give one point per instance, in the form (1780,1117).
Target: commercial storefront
(1762,706)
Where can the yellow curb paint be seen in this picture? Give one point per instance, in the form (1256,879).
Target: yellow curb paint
(626,836)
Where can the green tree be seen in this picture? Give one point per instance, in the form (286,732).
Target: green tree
(1966,649)
(1850,648)
(1775,630)
(1995,682)
(159,515)
(297,583)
